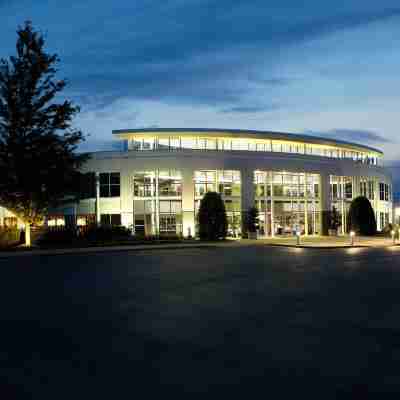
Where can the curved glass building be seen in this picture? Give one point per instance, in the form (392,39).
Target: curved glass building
(154,186)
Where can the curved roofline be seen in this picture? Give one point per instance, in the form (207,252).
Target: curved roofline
(252,133)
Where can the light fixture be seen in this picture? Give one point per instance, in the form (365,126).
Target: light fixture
(352,234)
(298,234)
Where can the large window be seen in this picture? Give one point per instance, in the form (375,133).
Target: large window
(110,184)
(169,183)
(157,202)
(174,143)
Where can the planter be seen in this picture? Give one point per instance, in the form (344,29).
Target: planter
(252,235)
(332,232)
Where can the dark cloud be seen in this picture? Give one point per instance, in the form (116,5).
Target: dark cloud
(200,52)
(250,109)
(356,135)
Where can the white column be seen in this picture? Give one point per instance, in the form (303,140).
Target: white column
(271,176)
(247,193)
(342,207)
(157,207)
(98,215)
(305,206)
(325,203)
(188,221)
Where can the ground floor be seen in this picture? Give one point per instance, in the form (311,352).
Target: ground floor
(166,201)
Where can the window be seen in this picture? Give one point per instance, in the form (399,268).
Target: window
(381,191)
(348,190)
(371,188)
(363,188)
(144,184)
(110,219)
(110,184)
(386,192)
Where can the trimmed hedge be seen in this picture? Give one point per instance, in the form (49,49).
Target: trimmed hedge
(362,217)
(9,236)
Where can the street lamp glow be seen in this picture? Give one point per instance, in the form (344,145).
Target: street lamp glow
(352,234)
(298,234)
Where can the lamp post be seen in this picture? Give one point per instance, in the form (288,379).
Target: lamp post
(352,234)
(298,234)
(393,237)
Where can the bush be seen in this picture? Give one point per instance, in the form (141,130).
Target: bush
(9,236)
(252,222)
(106,233)
(362,217)
(213,223)
(59,236)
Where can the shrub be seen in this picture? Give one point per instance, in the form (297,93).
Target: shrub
(213,223)
(9,236)
(106,233)
(362,217)
(252,219)
(59,236)
(334,219)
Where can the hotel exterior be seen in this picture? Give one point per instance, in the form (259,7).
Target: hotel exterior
(154,186)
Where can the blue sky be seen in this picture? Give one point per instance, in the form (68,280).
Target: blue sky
(325,68)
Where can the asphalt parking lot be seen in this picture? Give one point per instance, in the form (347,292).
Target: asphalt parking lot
(248,320)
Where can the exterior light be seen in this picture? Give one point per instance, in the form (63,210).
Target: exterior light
(352,234)
(393,237)
(298,234)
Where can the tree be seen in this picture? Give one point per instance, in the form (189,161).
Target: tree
(252,219)
(213,223)
(362,217)
(334,219)
(38,163)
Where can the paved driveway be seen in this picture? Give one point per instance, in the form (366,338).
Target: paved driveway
(253,321)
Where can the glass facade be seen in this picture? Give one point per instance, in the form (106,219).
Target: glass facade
(157,202)
(287,202)
(228,185)
(176,143)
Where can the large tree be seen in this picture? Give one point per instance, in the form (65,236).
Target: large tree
(212,218)
(38,159)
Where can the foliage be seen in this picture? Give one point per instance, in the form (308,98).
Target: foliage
(334,219)
(58,236)
(252,221)
(106,232)
(362,217)
(38,163)
(213,223)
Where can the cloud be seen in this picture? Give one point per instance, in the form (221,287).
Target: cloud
(250,109)
(356,135)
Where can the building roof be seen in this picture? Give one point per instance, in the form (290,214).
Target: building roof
(243,133)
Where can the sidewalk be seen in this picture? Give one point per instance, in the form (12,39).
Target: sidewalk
(330,241)
(100,249)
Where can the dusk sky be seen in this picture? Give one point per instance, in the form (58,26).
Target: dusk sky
(325,68)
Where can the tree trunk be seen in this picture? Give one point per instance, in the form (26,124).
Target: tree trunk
(27,234)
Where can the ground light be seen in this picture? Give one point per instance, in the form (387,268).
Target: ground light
(393,237)
(352,234)
(298,234)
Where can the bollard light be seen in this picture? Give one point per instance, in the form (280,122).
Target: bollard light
(298,234)
(352,234)
(393,237)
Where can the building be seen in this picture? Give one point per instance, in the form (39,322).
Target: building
(154,186)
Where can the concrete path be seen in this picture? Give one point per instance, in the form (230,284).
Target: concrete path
(309,242)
